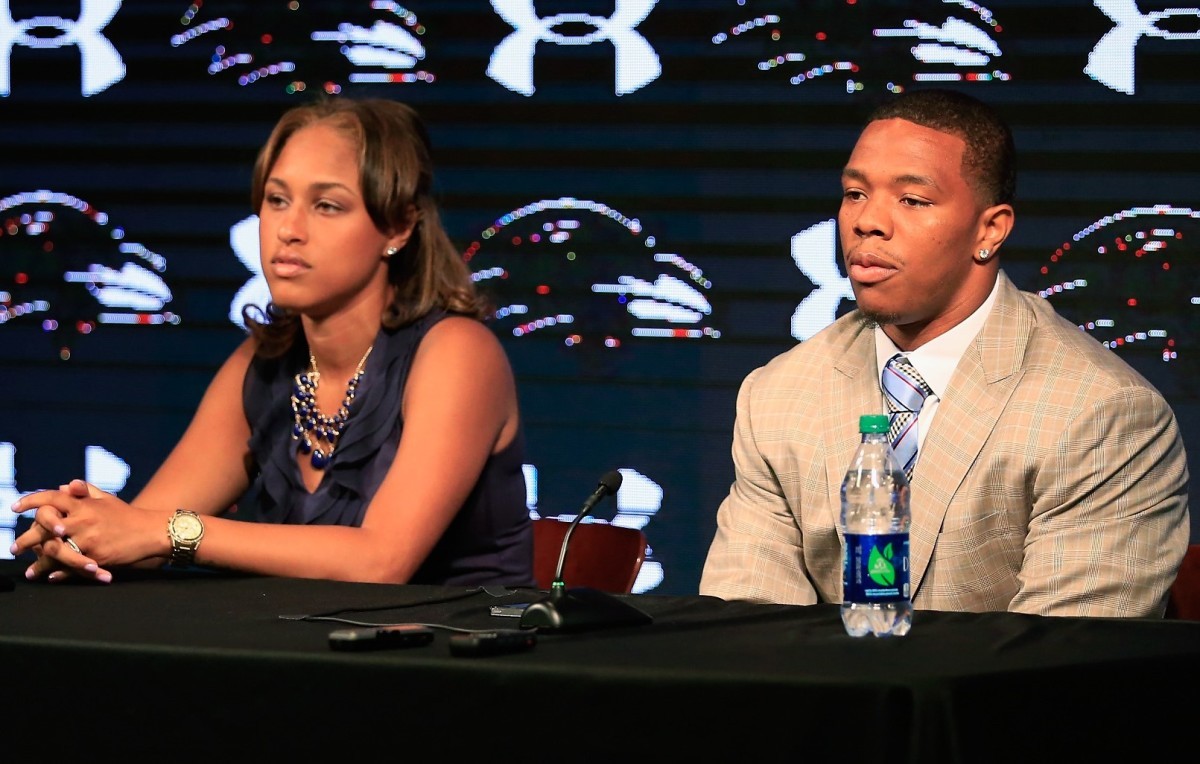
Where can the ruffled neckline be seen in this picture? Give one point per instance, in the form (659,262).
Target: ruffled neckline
(374,416)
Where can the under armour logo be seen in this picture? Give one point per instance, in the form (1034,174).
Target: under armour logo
(1111,62)
(101,66)
(511,63)
(814,250)
(255,293)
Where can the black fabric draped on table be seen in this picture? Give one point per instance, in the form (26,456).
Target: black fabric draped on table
(194,664)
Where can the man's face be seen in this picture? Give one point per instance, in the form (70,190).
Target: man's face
(910,226)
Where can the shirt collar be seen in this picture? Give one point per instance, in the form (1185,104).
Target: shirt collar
(937,359)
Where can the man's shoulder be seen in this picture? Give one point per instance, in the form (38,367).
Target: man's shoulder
(811,362)
(1061,348)
(823,348)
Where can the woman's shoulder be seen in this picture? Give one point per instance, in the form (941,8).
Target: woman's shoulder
(250,359)
(241,357)
(458,330)
(461,344)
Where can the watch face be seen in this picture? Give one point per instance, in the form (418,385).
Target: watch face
(187,527)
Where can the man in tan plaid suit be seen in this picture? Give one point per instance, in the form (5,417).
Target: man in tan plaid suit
(1051,477)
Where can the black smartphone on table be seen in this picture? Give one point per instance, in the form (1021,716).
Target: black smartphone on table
(509,611)
(381,637)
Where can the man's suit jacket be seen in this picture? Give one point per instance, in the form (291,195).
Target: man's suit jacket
(1053,479)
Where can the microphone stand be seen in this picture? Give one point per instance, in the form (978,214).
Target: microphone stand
(581,608)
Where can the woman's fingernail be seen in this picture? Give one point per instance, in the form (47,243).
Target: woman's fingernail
(104,577)
(13,549)
(16,506)
(57,575)
(60,530)
(30,573)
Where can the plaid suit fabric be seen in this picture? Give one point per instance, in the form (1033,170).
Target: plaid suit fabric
(1053,480)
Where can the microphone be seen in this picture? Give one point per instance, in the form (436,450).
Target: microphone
(581,608)
(609,484)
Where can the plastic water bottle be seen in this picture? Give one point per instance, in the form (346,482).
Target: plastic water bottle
(875,522)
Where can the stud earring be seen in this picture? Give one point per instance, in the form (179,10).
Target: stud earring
(984,254)
(390,251)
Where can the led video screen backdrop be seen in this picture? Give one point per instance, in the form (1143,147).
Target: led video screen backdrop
(646,189)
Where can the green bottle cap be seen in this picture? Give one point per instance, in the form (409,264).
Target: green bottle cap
(873,423)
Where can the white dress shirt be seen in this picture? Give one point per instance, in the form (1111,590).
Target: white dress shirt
(936,360)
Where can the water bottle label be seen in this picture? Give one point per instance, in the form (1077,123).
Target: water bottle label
(875,568)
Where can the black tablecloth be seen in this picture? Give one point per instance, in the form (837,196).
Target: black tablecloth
(196,664)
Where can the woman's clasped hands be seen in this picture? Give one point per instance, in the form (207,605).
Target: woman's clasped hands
(80,530)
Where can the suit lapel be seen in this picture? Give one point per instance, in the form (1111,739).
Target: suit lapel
(979,388)
(854,391)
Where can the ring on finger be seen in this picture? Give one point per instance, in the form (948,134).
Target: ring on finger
(71,543)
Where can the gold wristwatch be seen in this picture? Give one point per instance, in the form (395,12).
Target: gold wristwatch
(185,529)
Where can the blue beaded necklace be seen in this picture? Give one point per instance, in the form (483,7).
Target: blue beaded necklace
(309,421)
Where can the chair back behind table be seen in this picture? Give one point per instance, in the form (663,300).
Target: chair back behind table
(600,556)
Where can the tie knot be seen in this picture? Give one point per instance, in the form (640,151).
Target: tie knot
(905,388)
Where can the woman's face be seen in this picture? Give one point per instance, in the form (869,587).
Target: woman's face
(320,249)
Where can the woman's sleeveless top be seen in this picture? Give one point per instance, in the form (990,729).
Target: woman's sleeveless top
(490,540)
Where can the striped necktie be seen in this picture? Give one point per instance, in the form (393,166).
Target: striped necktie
(906,392)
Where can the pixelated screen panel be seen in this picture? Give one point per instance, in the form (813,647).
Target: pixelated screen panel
(647,190)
